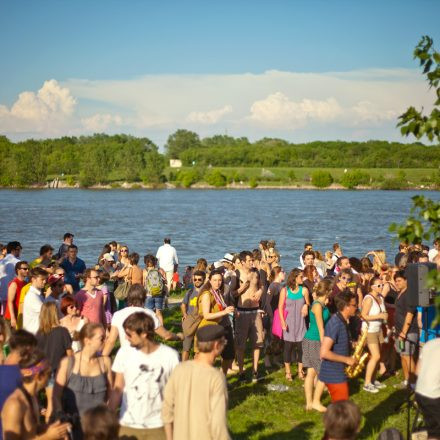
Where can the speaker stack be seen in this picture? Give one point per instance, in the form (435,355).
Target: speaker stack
(418,294)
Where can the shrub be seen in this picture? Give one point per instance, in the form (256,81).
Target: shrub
(354,178)
(253,182)
(291,175)
(215,178)
(393,183)
(188,177)
(321,179)
(70,181)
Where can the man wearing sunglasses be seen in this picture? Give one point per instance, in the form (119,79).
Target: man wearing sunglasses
(189,304)
(14,291)
(7,270)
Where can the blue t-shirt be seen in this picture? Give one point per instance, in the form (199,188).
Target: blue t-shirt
(71,270)
(334,372)
(10,380)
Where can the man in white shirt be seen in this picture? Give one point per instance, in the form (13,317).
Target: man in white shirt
(135,303)
(142,371)
(34,300)
(428,387)
(433,252)
(7,270)
(168,261)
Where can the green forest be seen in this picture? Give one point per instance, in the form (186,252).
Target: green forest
(218,160)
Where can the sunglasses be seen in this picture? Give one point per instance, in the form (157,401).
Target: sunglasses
(24,268)
(123,250)
(377,285)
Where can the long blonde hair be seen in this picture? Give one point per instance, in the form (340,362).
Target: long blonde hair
(379,259)
(48,317)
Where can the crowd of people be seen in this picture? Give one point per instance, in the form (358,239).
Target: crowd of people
(81,359)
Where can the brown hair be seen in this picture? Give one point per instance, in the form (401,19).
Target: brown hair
(323,288)
(136,295)
(100,423)
(38,272)
(274,272)
(291,279)
(309,272)
(48,318)
(139,323)
(342,420)
(88,331)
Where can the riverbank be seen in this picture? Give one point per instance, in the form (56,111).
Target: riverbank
(233,186)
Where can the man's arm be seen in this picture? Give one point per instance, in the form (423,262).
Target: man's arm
(12,420)
(327,353)
(167,335)
(111,341)
(12,292)
(116,394)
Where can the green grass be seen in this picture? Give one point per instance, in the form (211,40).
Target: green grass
(256,413)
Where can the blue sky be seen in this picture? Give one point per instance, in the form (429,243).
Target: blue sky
(293,69)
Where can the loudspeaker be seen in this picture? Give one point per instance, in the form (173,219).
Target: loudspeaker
(418,294)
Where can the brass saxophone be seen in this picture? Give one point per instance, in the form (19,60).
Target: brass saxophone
(360,357)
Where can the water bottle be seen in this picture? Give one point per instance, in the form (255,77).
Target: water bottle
(277,387)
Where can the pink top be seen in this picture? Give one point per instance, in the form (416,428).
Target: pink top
(91,306)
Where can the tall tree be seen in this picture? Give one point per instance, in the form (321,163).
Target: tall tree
(180,141)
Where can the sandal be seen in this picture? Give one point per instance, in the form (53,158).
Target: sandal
(289,377)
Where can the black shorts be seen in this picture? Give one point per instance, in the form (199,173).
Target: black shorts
(430,408)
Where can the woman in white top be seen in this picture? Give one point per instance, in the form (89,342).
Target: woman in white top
(72,321)
(374,314)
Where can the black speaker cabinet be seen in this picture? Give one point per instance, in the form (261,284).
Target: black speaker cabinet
(418,293)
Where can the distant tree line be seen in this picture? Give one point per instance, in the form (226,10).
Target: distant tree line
(87,159)
(100,159)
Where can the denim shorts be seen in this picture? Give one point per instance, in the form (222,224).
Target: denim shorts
(154,302)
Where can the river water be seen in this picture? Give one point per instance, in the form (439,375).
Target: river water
(204,223)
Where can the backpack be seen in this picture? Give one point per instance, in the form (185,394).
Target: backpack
(153,283)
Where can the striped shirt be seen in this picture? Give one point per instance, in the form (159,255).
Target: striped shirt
(333,372)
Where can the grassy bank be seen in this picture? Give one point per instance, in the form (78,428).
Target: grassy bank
(253,177)
(257,413)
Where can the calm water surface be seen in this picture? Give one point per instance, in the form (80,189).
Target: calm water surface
(204,223)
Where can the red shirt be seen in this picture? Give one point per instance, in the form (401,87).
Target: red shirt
(91,306)
(16,302)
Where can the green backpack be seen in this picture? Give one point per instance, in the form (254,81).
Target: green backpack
(153,283)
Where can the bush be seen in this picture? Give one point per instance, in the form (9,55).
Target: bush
(188,177)
(70,181)
(393,183)
(253,182)
(322,179)
(291,175)
(215,178)
(354,178)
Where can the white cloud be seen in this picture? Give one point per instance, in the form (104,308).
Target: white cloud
(101,122)
(39,112)
(367,112)
(209,117)
(299,107)
(277,110)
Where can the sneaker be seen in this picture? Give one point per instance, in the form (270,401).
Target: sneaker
(370,388)
(402,385)
(379,385)
(255,377)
